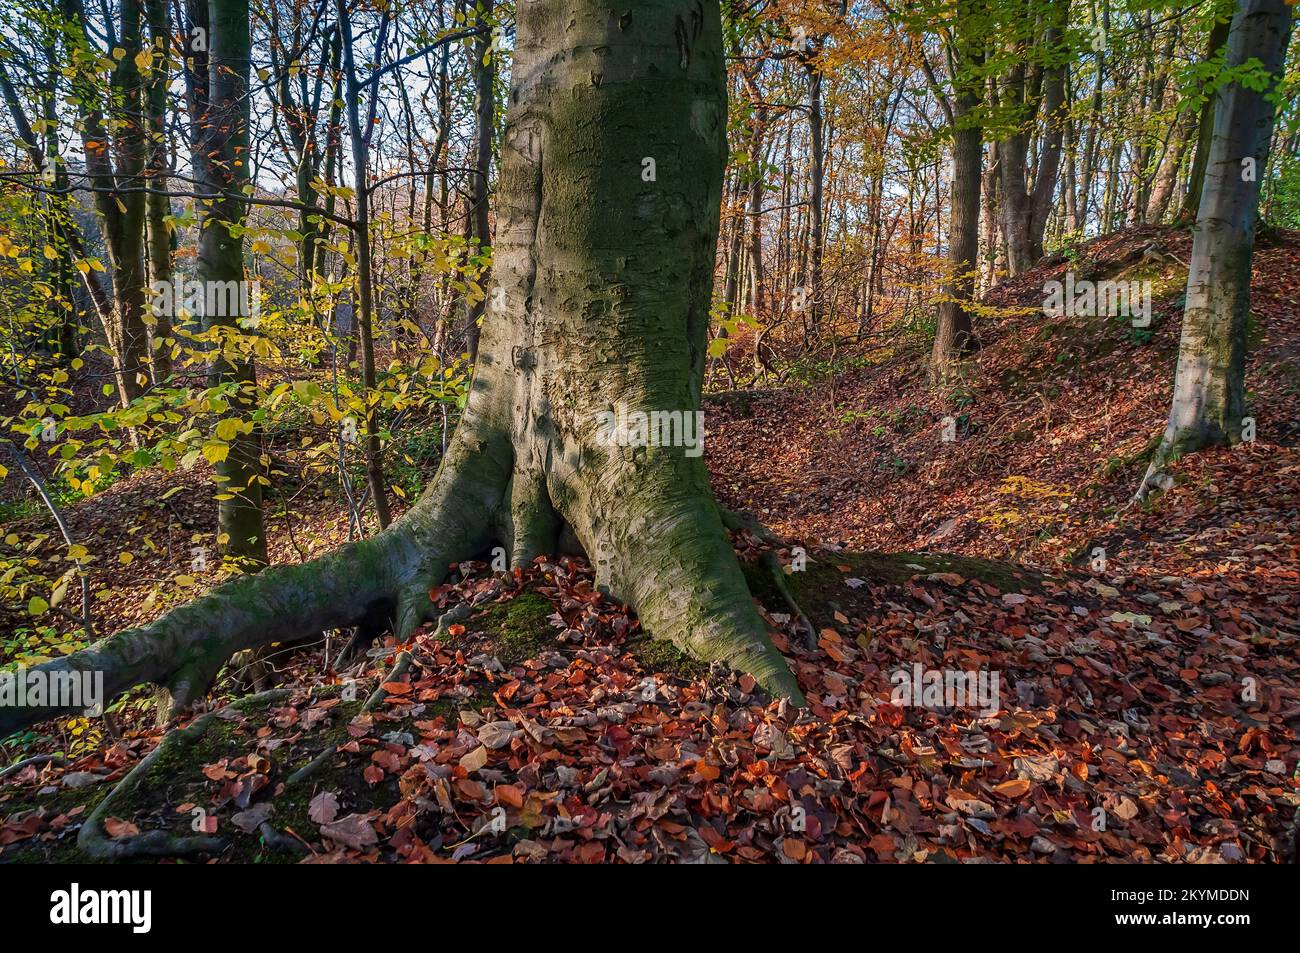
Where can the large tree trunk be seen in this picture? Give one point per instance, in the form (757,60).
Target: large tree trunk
(1209,387)
(607,281)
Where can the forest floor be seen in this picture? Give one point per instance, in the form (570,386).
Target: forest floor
(1146,656)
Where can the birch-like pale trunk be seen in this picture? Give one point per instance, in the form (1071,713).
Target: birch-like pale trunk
(1209,402)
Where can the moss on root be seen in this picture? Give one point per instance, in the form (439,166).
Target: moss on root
(176,778)
(822,589)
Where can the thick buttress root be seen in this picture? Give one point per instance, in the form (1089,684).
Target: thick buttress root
(672,562)
(92,840)
(183,651)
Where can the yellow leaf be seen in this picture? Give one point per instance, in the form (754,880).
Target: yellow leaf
(216,452)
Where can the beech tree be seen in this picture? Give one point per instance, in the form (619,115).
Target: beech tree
(964,40)
(1209,402)
(1027,194)
(223,173)
(609,195)
(112,137)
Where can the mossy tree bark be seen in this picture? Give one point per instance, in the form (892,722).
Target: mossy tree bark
(1209,401)
(117,120)
(606,274)
(224,173)
(953,336)
(158,206)
(1205,123)
(483,67)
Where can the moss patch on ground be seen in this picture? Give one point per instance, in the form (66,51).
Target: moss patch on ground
(660,656)
(822,588)
(176,777)
(518,628)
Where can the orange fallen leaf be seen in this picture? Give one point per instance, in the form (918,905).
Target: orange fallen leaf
(1017,787)
(117,827)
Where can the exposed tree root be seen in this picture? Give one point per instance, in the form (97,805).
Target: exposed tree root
(34,760)
(601,297)
(777,570)
(737,522)
(671,560)
(281,842)
(740,522)
(94,841)
(401,665)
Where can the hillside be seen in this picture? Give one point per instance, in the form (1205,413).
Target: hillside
(537,722)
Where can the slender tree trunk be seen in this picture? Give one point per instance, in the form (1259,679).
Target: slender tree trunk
(817,175)
(158,207)
(1093,139)
(953,338)
(1162,190)
(485,74)
(122,217)
(1209,402)
(44,155)
(1205,129)
(1049,157)
(364,313)
(989,217)
(1013,153)
(239,476)
(734,235)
